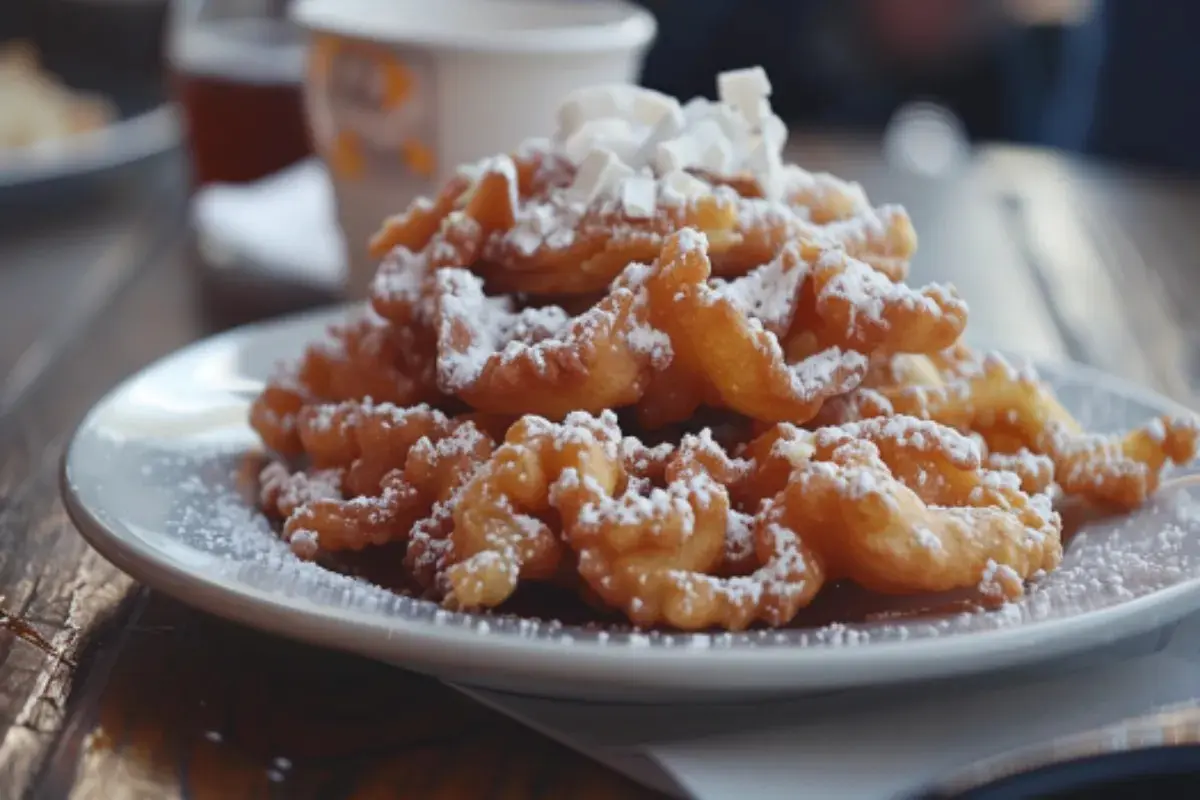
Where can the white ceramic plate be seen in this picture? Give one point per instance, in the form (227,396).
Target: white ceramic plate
(155,480)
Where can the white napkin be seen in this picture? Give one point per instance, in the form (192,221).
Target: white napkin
(871,745)
(285,223)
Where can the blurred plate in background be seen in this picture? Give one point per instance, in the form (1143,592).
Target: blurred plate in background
(107,48)
(127,140)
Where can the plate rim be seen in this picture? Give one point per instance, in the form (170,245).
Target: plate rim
(432,646)
(124,141)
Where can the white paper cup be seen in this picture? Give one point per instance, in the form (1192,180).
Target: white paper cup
(401,92)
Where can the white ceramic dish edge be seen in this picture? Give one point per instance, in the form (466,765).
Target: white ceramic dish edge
(551,668)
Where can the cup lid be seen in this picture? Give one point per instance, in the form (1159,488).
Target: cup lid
(512,26)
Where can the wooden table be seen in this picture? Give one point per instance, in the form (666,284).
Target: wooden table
(108,690)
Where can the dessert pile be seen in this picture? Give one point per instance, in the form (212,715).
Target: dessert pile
(649,362)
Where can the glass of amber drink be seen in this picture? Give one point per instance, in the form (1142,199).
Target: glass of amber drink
(237,69)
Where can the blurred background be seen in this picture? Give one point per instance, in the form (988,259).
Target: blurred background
(93,90)
(158,184)
(1109,78)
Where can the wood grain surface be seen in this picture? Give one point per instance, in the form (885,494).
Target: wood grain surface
(108,690)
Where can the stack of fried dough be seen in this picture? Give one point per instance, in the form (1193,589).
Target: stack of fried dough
(648,362)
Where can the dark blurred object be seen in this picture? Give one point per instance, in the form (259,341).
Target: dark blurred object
(121,37)
(236,69)
(1157,772)
(927,37)
(112,48)
(95,45)
(1157,755)
(853,63)
(1110,78)
(1129,93)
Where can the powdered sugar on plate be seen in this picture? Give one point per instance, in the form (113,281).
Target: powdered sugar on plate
(196,507)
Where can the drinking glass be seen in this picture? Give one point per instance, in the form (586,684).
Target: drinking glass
(237,68)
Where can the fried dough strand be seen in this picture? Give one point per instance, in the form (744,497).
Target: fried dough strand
(1014,413)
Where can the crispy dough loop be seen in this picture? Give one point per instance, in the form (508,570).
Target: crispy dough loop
(1014,413)
(541,361)
(715,335)
(819,197)
(1121,471)
(367,439)
(377,471)
(656,553)
(500,532)
(337,524)
(856,308)
(883,238)
(897,370)
(558,250)
(537,171)
(489,206)
(413,228)
(282,492)
(968,527)
(273,416)
(1035,471)
(399,292)
(365,358)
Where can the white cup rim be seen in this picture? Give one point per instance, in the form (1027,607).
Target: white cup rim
(577,26)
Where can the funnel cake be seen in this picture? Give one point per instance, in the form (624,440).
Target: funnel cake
(1020,422)
(647,363)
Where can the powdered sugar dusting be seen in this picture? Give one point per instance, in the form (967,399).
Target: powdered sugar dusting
(399,275)
(474,328)
(693,240)
(918,434)
(814,376)
(646,339)
(196,506)
(767,293)
(868,293)
(739,537)
(824,189)
(476,331)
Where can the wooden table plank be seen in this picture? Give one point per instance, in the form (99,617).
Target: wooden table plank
(1108,299)
(1150,238)
(59,270)
(48,576)
(198,707)
(53,588)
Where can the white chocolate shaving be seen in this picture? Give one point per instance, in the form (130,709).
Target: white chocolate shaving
(743,87)
(683,185)
(675,155)
(599,172)
(611,133)
(638,197)
(644,129)
(633,104)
